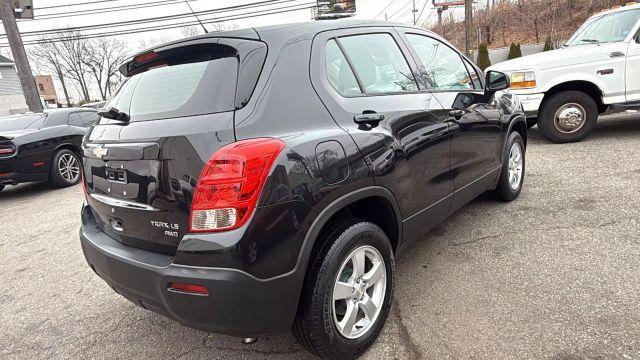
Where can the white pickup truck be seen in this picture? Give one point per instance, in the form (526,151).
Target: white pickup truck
(597,70)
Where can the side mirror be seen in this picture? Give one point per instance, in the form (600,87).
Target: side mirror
(496,81)
(113,113)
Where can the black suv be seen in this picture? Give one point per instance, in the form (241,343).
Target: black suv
(260,180)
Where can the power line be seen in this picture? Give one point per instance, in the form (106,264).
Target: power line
(422,11)
(401,8)
(154,19)
(74,4)
(284,9)
(104,10)
(385,8)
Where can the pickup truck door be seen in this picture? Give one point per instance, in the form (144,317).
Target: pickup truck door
(632,70)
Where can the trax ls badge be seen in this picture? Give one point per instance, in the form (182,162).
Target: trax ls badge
(171,228)
(100,152)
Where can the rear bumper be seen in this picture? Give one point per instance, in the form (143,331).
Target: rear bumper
(11,172)
(238,304)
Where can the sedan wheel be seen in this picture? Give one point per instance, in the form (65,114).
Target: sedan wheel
(69,168)
(66,169)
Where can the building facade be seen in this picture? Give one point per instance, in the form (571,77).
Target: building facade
(11,98)
(47,90)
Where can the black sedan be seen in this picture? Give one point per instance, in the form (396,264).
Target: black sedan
(43,146)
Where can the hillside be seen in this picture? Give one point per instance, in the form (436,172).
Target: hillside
(524,21)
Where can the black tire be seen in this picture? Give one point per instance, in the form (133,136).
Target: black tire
(1,188)
(531,122)
(314,326)
(56,178)
(548,126)
(505,191)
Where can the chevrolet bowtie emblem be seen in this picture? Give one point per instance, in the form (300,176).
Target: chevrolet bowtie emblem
(100,152)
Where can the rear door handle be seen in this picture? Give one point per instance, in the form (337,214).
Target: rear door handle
(368,117)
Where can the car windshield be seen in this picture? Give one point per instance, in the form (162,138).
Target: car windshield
(21,122)
(607,28)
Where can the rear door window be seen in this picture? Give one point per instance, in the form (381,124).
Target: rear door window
(379,63)
(183,89)
(339,71)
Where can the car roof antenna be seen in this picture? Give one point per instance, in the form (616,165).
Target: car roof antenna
(196,16)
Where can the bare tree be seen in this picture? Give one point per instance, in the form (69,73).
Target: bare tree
(74,53)
(103,57)
(47,57)
(190,31)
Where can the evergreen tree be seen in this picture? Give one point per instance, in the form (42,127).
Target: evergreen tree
(548,45)
(512,52)
(483,57)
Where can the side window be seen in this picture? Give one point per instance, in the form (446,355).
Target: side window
(339,72)
(83,119)
(444,67)
(379,63)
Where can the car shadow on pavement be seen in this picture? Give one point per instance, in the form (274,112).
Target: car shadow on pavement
(617,126)
(20,191)
(623,125)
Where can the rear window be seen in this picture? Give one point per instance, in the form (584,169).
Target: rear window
(21,122)
(197,86)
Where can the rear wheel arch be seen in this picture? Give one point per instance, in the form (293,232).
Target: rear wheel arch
(67,146)
(375,204)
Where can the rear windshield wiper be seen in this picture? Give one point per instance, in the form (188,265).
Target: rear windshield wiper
(115,114)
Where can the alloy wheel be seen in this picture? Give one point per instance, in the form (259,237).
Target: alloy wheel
(516,162)
(359,292)
(69,168)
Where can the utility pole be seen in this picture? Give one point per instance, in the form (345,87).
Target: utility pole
(20,56)
(468,26)
(414,11)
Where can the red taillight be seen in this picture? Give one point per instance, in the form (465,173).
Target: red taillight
(7,150)
(230,184)
(189,288)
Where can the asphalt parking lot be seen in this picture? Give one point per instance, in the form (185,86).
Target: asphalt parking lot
(551,275)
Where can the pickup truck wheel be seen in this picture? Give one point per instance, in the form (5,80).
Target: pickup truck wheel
(568,116)
(347,293)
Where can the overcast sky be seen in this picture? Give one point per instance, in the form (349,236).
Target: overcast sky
(395,10)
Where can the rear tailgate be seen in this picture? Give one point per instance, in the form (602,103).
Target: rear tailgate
(140,176)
